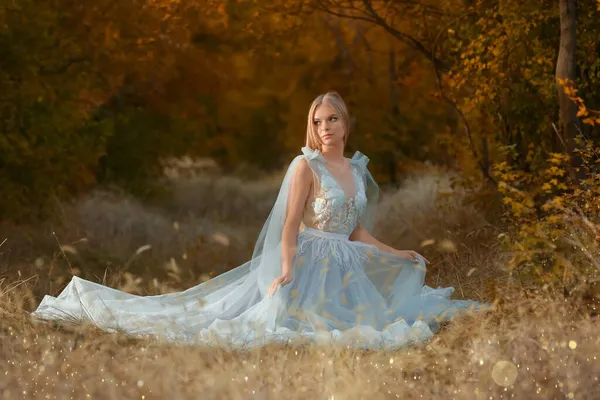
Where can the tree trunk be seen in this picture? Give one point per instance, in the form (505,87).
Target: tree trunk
(566,69)
(394,97)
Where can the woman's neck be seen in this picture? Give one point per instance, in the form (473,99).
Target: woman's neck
(333,153)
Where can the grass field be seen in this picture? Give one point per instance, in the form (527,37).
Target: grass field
(533,344)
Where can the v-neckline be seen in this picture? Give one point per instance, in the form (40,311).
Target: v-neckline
(338,183)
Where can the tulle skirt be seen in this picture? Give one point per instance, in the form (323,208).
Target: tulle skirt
(343,293)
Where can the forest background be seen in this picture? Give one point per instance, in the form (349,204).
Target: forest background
(142,142)
(116,95)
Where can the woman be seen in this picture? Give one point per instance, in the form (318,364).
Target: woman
(317,273)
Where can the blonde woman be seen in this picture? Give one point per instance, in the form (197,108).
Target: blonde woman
(316,274)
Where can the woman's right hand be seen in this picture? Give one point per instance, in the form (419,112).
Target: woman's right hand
(284,279)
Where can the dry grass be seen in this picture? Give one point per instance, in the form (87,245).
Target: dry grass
(533,345)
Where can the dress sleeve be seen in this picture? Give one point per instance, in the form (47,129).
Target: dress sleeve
(367,220)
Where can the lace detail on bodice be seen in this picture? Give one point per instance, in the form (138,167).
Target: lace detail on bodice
(331,209)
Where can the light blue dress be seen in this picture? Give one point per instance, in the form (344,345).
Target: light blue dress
(343,292)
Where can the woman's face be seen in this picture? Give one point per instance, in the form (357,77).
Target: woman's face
(328,125)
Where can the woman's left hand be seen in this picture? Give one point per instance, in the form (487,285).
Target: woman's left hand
(411,255)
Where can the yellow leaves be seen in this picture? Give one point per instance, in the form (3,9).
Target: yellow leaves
(592,121)
(508,176)
(521,191)
(558,158)
(554,218)
(555,171)
(570,91)
(518,209)
(582,112)
(556,203)
(502,166)
(593,116)
(528,202)
(548,187)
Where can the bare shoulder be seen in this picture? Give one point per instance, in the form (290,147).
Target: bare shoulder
(302,180)
(303,171)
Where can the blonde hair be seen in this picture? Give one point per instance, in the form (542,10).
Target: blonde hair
(335,101)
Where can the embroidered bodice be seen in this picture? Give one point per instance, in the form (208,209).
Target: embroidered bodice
(334,206)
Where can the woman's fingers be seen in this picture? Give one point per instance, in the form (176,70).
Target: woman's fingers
(417,256)
(424,259)
(273,287)
(280,281)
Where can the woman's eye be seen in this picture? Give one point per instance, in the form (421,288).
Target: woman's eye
(316,122)
(333,119)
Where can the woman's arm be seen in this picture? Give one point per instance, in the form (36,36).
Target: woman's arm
(360,234)
(299,190)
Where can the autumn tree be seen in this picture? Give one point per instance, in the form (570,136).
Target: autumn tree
(102,92)
(494,63)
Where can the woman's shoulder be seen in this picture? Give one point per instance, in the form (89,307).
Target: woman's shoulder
(300,170)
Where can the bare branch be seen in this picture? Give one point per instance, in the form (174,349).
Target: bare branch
(374,18)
